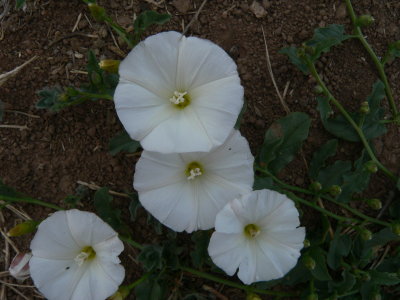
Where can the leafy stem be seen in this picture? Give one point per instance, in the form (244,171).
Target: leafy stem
(339,106)
(246,288)
(29,200)
(378,63)
(308,192)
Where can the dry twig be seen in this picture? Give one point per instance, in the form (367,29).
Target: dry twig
(95,187)
(194,17)
(4,77)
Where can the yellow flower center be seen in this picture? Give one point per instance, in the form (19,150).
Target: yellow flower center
(251,230)
(87,253)
(193,170)
(180,99)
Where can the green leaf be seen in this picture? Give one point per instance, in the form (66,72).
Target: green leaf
(122,142)
(102,203)
(283,140)
(333,174)
(151,257)
(20,3)
(341,287)
(8,191)
(392,53)
(339,247)
(148,18)
(320,272)
(262,183)
(384,278)
(320,156)
(383,237)
(199,254)
(292,53)
(149,289)
(51,98)
(371,126)
(325,38)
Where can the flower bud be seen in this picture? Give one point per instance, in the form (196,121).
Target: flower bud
(315,186)
(98,12)
(109,65)
(335,190)
(23,228)
(252,296)
(306,243)
(371,166)
(120,294)
(376,296)
(19,267)
(309,262)
(365,234)
(396,228)
(364,20)
(364,108)
(365,276)
(318,89)
(374,203)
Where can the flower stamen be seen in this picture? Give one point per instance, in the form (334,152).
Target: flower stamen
(87,253)
(193,170)
(180,99)
(251,230)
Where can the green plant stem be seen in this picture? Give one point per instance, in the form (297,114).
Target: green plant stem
(359,131)
(30,200)
(98,96)
(246,288)
(308,192)
(378,64)
(131,242)
(137,282)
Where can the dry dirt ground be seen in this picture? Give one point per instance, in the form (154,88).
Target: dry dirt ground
(57,150)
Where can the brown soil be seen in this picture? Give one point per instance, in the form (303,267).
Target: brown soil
(57,150)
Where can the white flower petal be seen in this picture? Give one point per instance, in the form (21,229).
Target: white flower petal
(226,251)
(190,204)
(274,249)
(183,132)
(56,279)
(54,238)
(87,228)
(201,62)
(169,63)
(153,63)
(108,250)
(99,281)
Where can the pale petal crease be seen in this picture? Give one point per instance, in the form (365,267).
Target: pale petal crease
(227,220)
(182,133)
(248,265)
(54,239)
(109,250)
(144,62)
(202,61)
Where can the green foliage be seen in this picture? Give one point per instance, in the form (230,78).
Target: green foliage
(283,140)
(370,123)
(322,41)
(199,254)
(392,53)
(339,247)
(101,86)
(320,156)
(104,208)
(73,200)
(149,289)
(147,19)
(122,143)
(20,3)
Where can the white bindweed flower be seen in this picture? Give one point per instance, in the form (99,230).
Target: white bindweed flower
(178,94)
(186,191)
(259,234)
(75,257)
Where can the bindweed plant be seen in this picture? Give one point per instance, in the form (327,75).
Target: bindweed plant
(197,173)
